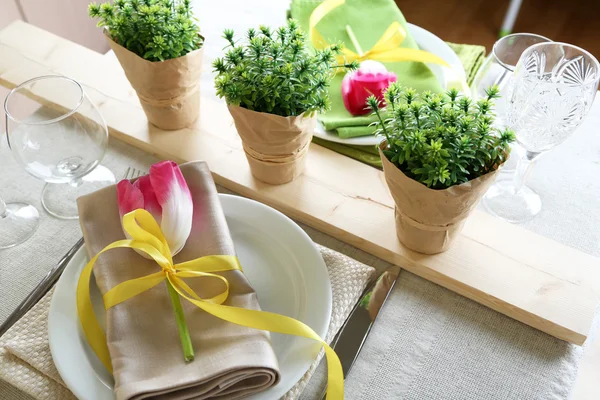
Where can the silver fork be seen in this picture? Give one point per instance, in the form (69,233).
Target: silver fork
(50,279)
(133,173)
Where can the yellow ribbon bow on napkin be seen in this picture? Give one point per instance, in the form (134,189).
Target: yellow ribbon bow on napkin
(387,48)
(147,237)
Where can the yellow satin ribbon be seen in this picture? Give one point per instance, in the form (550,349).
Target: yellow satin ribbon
(387,48)
(147,237)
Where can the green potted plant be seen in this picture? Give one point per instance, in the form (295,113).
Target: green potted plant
(440,155)
(273,87)
(159,46)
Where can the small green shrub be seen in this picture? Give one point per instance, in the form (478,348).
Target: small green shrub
(441,140)
(156,30)
(275,73)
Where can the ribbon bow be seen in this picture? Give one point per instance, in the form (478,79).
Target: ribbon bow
(147,237)
(387,48)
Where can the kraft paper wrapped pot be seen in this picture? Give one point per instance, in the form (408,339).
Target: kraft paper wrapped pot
(169,91)
(429,220)
(275,146)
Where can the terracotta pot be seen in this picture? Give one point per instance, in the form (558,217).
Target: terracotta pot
(429,220)
(169,91)
(275,146)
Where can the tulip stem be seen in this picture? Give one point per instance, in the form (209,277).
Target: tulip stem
(354,40)
(184,333)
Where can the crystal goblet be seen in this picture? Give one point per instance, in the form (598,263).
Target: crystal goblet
(497,69)
(549,96)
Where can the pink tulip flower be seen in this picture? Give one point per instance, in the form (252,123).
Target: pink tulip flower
(165,194)
(371,78)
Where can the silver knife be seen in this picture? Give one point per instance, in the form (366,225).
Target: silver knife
(350,339)
(41,289)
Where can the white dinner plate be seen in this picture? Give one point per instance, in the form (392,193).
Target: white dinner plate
(429,42)
(282,264)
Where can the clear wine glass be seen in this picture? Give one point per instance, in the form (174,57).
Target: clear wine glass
(549,96)
(497,69)
(18,222)
(61,141)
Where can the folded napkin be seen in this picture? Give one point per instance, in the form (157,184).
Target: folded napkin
(366,154)
(143,340)
(26,362)
(471,57)
(368,19)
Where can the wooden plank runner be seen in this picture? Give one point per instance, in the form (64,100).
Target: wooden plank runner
(525,276)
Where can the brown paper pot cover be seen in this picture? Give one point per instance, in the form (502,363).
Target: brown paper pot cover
(169,91)
(275,146)
(429,220)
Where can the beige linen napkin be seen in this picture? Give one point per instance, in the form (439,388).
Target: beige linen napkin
(231,361)
(26,363)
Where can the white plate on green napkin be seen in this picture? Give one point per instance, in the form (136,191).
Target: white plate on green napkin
(426,41)
(281,262)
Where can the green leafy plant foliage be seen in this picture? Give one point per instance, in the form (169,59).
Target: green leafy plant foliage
(441,140)
(273,72)
(156,30)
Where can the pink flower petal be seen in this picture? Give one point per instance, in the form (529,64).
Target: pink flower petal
(175,200)
(164,175)
(371,67)
(151,203)
(346,92)
(129,197)
(372,78)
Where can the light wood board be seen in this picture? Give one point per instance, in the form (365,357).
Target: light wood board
(530,278)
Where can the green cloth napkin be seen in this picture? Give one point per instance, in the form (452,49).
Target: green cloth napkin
(366,154)
(368,19)
(347,132)
(471,57)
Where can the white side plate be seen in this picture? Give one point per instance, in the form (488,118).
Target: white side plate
(429,42)
(283,265)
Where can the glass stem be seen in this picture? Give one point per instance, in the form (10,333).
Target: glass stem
(76,182)
(523,168)
(3,211)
